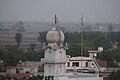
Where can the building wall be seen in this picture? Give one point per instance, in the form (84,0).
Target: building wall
(11,71)
(85,65)
(54,61)
(55,54)
(30,66)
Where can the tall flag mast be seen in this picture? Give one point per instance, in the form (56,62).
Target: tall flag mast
(57,27)
(82,42)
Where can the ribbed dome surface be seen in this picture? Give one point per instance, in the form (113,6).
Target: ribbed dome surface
(55,36)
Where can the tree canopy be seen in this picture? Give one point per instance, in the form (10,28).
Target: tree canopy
(114,75)
(92,40)
(18,38)
(111,55)
(12,55)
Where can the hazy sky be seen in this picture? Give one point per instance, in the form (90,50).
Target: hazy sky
(68,10)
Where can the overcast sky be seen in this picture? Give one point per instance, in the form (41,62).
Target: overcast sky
(68,10)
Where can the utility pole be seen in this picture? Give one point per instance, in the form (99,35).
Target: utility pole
(82,42)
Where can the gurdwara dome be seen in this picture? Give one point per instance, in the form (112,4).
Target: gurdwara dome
(55,36)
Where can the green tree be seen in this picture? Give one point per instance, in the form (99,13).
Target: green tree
(114,75)
(110,55)
(18,38)
(74,49)
(101,41)
(12,55)
(2,77)
(72,37)
(32,46)
(113,36)
(42,37)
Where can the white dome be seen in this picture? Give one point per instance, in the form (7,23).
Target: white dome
(55,36)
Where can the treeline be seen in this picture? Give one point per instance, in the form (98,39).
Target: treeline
(95,39)
(92,40)
(110,41)
(11,55)
(112,56)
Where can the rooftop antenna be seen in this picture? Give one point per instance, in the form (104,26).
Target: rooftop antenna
(82,29)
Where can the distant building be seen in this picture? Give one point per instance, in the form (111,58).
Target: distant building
(33,67)
(93,53)
(11,70)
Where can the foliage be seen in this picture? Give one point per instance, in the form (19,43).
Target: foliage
(110,55)
(42,37)
(32,46)
(2,77)
(112,64)
(92,40)
(2,68)
(11,55)
(114,75)
(114,36)
(74,49)
(96,39)
(18,38)
(90,36)
(101,41)
(73,37)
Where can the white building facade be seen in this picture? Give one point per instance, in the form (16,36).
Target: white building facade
(55,53)
(55,58)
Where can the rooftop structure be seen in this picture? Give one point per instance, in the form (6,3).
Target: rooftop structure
(55,58)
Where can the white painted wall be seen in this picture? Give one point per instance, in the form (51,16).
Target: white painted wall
(58,56)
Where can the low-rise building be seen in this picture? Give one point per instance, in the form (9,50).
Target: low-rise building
(11,70)
(33,67)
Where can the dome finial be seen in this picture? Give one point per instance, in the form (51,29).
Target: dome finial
(55,35)
(56,19)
